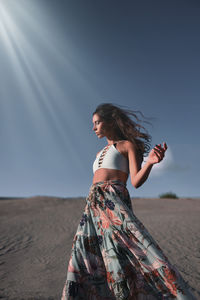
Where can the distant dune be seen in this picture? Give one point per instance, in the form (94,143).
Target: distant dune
(36,236)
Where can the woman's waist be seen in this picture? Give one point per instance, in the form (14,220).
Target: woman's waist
(110,175)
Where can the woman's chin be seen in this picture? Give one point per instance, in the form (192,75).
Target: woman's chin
(99,136)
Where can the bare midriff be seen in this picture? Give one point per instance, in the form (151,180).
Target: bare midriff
(104,174)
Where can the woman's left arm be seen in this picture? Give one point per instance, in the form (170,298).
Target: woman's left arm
(139,175)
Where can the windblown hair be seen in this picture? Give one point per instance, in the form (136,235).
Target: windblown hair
(124,127)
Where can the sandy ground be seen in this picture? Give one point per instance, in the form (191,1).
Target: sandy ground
(36,237)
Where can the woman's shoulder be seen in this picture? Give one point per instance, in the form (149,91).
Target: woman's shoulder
(128,147)
(132,150)
(123,147)
(126,144)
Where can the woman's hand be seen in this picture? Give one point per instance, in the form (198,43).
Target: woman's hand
(157,154)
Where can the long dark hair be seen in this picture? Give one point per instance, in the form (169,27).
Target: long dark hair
(124,127)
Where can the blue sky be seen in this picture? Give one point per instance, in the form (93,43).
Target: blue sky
(60,59)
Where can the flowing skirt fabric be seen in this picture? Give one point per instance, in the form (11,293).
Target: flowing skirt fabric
(113,255)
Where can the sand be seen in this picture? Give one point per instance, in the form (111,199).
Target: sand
(36,237)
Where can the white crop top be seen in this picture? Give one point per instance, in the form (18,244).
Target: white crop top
(111,158)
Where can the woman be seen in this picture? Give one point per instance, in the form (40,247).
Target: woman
(113,255)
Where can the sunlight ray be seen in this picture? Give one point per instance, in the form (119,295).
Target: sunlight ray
(64,55)
(34,83)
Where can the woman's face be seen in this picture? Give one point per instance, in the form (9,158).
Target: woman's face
(98,126)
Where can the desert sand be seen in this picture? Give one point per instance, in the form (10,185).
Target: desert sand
(36,237)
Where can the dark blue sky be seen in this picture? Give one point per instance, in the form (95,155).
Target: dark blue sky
(60,59)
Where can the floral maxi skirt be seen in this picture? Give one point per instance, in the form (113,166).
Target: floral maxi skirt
(113,255)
